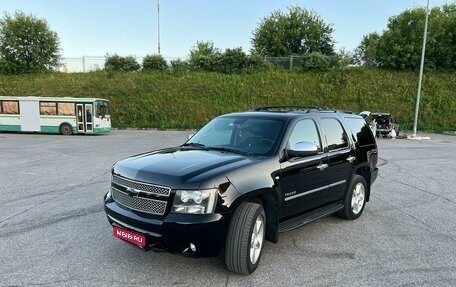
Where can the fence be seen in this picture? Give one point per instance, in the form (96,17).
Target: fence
(90,63)
(94,63)
(288,62)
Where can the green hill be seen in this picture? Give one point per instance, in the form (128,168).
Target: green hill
(188,100)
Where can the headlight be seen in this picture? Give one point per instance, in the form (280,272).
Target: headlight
(195,201)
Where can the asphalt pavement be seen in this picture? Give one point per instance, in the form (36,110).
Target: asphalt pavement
(53,230)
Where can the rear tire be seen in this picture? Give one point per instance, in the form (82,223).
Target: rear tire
(355,198)
(245,238)
(66,129)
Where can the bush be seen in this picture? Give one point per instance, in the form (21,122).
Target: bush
(122,64)
(154,63)
(317,62)
(256,62)
(179,66)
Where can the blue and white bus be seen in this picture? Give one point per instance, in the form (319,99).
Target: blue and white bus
(62,115)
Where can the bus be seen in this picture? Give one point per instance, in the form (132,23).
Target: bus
(62,115)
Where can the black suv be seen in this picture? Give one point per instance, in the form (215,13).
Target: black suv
(243,178)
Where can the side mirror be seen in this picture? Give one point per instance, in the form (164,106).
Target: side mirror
(302,149)
(189,136)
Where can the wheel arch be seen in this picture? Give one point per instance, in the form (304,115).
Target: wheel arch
(269,199)
(365,172)
(66,124)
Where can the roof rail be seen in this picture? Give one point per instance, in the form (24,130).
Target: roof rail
(289,109)
(303,109)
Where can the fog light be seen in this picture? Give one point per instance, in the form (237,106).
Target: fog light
(190,250)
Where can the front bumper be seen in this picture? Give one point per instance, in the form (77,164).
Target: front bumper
(173,232)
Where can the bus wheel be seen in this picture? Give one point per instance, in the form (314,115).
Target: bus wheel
(66,129)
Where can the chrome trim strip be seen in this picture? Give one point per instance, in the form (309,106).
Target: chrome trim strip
(315,190)
(167,188)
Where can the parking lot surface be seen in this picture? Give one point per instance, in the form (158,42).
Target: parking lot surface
(53,230)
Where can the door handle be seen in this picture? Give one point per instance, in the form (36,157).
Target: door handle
(322,166)
(351,159)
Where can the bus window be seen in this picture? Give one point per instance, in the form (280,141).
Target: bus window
(48,108)
(102,109)
(9,107)
(65,109)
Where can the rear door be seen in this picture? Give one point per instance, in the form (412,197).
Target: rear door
(341,157)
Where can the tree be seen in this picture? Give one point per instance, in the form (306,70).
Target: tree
(27,44)
(297,32)
(154,63)
(399,46)
(365,53)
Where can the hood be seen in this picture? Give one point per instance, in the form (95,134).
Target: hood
(180,168)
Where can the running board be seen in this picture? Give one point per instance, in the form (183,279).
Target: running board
(303,219)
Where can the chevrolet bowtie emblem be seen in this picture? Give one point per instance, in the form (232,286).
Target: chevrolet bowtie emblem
(132,192)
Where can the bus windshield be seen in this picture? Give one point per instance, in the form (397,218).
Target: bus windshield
(102,108)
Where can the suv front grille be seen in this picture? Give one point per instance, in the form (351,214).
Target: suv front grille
(144,187)
(142,204)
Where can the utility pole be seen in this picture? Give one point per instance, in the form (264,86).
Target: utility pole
(415,124)
(158,20)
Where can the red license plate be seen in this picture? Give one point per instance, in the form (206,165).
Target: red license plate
(129,236)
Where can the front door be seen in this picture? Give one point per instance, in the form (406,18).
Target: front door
(304,180)
(84,117)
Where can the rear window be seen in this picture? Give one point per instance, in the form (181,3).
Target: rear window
(360,130)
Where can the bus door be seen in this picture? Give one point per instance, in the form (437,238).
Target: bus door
(84,117)
(30,116)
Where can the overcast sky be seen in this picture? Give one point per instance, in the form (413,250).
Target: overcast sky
(96,27)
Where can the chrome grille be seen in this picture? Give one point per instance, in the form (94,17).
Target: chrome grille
(145,187)
(142,204)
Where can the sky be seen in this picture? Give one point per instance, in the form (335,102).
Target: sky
(130,28)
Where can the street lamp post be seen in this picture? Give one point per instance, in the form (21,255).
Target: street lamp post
(158,20)
(421,71)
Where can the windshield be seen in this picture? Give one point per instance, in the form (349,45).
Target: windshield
(102,108)
(249,135)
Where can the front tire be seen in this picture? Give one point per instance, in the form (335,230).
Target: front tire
(355,198)
(245,238)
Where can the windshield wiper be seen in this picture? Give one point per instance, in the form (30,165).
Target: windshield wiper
(233,150)
(195,145)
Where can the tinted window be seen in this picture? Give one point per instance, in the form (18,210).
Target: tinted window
(336,137)
(304,130)
(361,131)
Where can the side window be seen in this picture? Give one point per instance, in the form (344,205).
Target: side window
(48,108)
(304,130)
(361,131)
(66,109)
(9,107)
(336,138)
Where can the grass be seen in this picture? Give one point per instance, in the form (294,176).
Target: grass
(188,100)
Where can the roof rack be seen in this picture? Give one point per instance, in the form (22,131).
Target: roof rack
(289,109)
(303,109)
